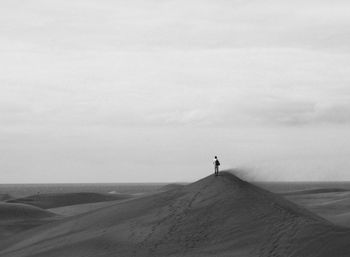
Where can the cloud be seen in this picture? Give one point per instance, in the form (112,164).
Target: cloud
(284,111)
(338,114)
(211,63)
(295,113)
(91,25)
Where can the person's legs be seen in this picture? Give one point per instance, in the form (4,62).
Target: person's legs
(216,170)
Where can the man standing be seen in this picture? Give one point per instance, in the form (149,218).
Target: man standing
(216,165)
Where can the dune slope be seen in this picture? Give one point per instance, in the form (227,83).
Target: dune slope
(21,211)
(15,218)
(216,216)
(72,210)
(334,205)
(316,191)
(5,197)
(48,201)
(172,186)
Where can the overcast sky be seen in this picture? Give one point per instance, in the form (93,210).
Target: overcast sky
(135,91)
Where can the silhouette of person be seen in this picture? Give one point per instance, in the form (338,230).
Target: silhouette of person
(216,165)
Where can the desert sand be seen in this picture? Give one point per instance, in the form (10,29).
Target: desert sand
(15,218)
(332,204)
(48,201)
(220,216)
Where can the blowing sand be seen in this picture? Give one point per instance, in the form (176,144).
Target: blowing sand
(216,216)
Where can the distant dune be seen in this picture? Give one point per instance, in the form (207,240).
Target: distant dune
(5,197)
(317,191)
(16,217)
(47,201)
(216,216)
(332,204)
(22,211)
(77,209)
(171,187)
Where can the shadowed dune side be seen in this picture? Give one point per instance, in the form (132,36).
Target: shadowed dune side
(215,216)
(10,211)
(5,197)
(48,201)
(15,218)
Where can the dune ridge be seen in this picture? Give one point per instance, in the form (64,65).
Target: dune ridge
(215,216)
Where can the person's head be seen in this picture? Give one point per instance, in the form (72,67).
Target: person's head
(215,157)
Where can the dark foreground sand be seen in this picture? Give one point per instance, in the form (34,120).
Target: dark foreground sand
(216,216)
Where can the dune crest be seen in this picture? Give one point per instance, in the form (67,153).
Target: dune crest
(215,216)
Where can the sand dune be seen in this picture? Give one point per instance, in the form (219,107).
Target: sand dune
(15,218)
(21,211)
(76,209)
(216,216)
(48,201)
(317,191)
(172,186)
(5,197)
(333,205)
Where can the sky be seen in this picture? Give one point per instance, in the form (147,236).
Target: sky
(151,90)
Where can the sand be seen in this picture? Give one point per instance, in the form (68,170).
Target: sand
(216,216)
(5,197)
(171,187)
(332,204)
(72,210)
(48,201)
(15,218)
